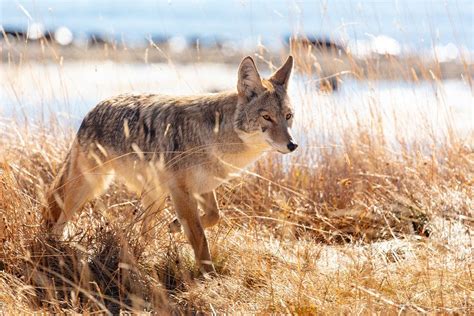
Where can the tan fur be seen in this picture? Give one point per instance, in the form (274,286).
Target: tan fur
(184,147)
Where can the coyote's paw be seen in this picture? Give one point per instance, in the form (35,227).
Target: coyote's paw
(208,271)
(175,226)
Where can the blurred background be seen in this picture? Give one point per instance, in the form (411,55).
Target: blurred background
(71,54)
(365,27)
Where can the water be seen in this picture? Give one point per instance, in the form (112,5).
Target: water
(415,24)
(420,110)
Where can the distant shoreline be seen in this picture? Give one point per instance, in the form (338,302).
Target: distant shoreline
(321,63)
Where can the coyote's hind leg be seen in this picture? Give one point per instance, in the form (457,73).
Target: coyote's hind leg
(82,179)
(153,201)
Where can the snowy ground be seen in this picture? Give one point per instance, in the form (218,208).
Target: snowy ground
(35,90)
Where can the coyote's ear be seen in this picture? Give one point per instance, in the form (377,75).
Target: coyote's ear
(282,75)
(249,84)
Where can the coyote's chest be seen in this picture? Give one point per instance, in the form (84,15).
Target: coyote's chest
(223,167)
(233,163)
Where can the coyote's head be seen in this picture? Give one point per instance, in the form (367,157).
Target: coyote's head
(264,114)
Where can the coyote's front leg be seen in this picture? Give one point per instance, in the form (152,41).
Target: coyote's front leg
(187,212)
(208,203)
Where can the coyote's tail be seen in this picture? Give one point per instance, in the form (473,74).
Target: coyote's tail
(55,195)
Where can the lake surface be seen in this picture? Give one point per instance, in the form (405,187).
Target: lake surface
(33,92)
(417,25)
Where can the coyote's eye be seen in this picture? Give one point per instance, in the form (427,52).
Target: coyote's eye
(289,116)
(267,117)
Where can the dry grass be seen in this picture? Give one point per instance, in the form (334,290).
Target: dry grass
(357,228)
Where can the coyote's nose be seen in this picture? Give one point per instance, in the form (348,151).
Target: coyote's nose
(292,146)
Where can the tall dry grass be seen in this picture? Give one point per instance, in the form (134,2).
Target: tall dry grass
(367,226)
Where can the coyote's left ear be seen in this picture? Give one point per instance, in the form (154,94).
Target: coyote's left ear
(282,75)
(249,83)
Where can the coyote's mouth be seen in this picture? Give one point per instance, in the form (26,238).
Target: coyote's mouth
(281,151)
(277,148)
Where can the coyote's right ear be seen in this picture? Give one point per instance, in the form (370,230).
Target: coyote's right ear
(249,84)
(282,75)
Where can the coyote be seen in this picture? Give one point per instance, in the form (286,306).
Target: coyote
(185,147)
